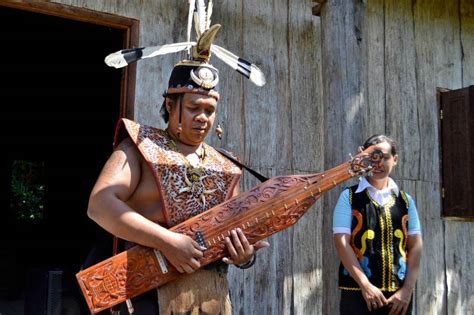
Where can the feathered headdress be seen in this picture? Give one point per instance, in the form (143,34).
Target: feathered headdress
(199,52)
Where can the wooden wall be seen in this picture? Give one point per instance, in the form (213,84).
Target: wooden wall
(363,67)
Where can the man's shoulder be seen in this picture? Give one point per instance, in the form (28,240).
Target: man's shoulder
(127,128)
(136,124)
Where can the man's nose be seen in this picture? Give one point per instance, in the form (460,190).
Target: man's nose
(202,117)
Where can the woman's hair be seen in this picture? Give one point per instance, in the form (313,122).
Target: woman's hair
(376,139)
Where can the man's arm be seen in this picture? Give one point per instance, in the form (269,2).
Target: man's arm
(107,206)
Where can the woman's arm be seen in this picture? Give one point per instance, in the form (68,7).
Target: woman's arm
(371,293)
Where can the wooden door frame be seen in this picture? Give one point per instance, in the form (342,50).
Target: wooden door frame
(129,26)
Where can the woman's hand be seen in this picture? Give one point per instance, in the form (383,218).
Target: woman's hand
(399,301)
(240,249)
(373,296)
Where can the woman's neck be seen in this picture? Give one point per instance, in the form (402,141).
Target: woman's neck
(378,183)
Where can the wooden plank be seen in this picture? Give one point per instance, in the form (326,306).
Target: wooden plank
(437,65)
(305,89)
(307,271)
(373,39)
(267,145)
(82,14)
(459,265)
(333,72)
(267,120)
(262,289)
(344,56)
(430,292)
(400,82)
(307,136)
(467,41)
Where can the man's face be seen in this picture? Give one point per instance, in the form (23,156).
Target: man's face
(198,114)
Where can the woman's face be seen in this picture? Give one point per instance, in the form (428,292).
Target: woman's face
(389,161)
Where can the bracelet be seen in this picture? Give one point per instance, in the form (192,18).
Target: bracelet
(248,264)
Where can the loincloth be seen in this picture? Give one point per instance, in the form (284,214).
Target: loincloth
(202,292)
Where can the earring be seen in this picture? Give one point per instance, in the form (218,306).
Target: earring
(219,131)
(179,129)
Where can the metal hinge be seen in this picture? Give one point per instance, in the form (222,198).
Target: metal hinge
(441,114)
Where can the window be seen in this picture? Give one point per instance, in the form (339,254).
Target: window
(457,153)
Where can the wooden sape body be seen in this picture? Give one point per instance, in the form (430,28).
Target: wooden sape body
(260,212)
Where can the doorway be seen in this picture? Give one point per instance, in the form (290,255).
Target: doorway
(59,104)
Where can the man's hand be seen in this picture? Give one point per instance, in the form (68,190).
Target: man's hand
(240,249)
(373,296)
(182,252)
(399,301)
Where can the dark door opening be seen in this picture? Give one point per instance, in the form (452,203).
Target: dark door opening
(59,105)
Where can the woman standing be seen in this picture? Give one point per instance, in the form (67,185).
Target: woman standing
(378,238)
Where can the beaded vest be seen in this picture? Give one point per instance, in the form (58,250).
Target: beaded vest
(379,236)
(186,190)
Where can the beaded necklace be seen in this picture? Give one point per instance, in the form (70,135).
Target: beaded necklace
(195,174)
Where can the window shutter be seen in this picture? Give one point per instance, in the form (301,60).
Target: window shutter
(457,153)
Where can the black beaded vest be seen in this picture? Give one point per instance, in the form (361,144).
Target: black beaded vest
(379,236)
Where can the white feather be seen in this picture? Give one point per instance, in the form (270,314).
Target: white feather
(256,75)
(153,51)
(192,4)
(117,59)
(201,11)
(209,14)
(196,24)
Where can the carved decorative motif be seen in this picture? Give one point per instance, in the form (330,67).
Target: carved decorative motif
(262,211)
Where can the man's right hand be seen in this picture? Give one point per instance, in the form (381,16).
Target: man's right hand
(182,252)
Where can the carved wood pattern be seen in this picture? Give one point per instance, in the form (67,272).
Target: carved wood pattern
(260,212)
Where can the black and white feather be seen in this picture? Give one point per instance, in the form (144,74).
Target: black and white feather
(202,22)
(125,57)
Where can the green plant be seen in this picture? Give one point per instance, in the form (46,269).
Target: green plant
(27,190)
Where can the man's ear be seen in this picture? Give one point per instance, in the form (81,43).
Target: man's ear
(168,104)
